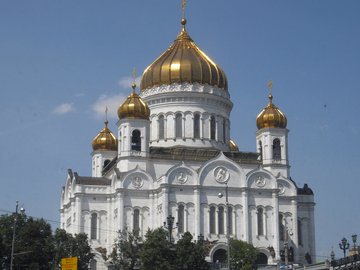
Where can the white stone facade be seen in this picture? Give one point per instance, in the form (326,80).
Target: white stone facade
(183,176)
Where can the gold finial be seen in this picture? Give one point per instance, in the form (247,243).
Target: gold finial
(133,74)
(106,120)
(270,85)
(183,7)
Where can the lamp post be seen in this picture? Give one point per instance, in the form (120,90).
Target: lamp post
(169,225)
(332,256)
(22,210)
(344,245)
(220,195)
(354,237)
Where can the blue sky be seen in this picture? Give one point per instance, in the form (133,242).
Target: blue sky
(61,61)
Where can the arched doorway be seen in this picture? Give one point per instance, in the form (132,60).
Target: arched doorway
(261,259)
(219,256)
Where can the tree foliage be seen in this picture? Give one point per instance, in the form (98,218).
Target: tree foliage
(190,255)
(126,251)
(35,247)
(66,245)
(242,255)
(157,253)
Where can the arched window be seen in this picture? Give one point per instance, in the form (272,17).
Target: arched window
(224,129)
(161,127)
(230,226)
(181,212)
(260,150)
(300,232)
(106,162)
(93,232)
(196,126)
(136,140)
(276,150)
(221,220)
(281,228)
(260,221)
(212,219)
(93,264)
(178,125)
(212,128)
(136,226)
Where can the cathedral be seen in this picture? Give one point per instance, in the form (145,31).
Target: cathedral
(172,155)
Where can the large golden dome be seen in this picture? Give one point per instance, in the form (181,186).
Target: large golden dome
(105,140)
(134,107)
(271,117)
(183,62)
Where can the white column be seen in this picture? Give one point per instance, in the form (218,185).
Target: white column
(295,237)
(78,215)
(202,127)
(246,215)
(233,220)
(98,221)
(276,243)
(265,219)
(121,210)
(109,217)
(74,228)
(165,203)
(165,127)
(217,220)
(197,217)
(182,126)
(152,211)
(141,222)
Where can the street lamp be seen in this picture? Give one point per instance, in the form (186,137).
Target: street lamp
(169,225)
(354,237)
(220,195)
(332,256)
(344,245)
(22,210)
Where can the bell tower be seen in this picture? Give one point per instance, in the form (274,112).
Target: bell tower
(105,147)
(133,130)
(272,136)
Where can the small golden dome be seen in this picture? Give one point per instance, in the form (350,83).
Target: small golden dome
(105,140)
(233,146)
(134,107)
(271,117)
(183,62)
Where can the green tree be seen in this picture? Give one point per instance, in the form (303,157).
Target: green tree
(126,252)
(67,245)
(33,246)
(242,255)
(157,253)
(190,255)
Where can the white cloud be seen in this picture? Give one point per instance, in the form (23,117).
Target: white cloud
(64,108)
(126,82)
(111,102)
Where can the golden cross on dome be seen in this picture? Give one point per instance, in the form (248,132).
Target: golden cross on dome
(133,75)
(183,7)
(106,120)
(270,85)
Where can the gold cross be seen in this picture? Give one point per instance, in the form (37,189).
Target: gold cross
(133,74)
(270,85)
(183,6)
